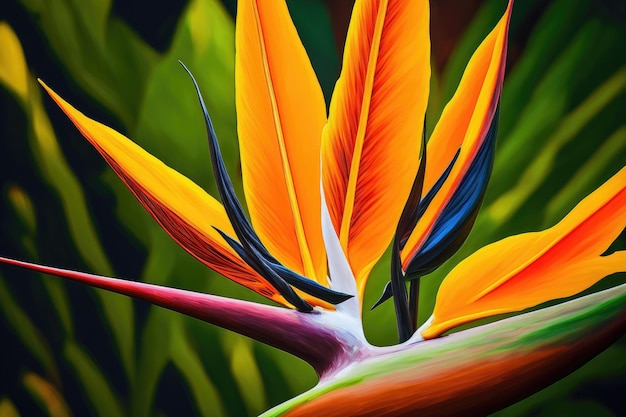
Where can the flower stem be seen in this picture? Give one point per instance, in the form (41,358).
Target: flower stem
(326,340)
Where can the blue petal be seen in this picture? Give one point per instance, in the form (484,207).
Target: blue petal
(457,218)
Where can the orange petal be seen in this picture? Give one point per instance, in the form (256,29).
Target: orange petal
(525,270)
(464,124)
(183,209)
(371,145)
(281,113)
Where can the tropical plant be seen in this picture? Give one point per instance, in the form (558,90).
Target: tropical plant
(442,184)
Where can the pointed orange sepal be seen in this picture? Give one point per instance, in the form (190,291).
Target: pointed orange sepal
(464,124)
(371,144)
(525,270)
(281,113)
(187,213)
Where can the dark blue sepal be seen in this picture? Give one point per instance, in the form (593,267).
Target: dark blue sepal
(260,265)
(255,252)
(309,286)
(406,224)
(411,211)
(457,219)
(251,249)
(430,195)
(387,294)
(458,216)
(422,206)
(300,282)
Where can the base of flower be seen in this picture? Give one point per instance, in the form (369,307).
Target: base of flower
(458,374)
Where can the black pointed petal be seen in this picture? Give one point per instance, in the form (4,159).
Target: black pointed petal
(265,269)
(241,225)
(457,218)
(302,283)
(309,286)
(387,294)
(428,198)
(410,213)
(255,253)
(408,219)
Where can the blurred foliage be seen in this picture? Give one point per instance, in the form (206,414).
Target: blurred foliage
(70,350)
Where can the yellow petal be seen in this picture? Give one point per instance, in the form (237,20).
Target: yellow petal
(464,124)
(371,145)
(280,116)
(183,209)
(525,270)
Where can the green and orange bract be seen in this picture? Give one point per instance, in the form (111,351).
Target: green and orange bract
(326,193)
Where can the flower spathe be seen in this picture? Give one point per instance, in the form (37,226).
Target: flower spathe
(327,194)
(375,115)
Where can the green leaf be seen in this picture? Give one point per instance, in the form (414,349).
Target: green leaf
(204,41)
(537,171)
(190,366)
(246,372)
(101,54)
(584,178)
(13,71)
(555,29)
(25,212)
(314,28)
(543,113)
(576,408)
(94,384)
(284,375)
(26,331)
(58,175)
(154,355)
(154,349)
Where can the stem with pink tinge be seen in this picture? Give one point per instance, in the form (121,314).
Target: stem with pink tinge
(326,340)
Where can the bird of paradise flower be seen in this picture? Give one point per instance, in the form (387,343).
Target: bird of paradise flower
(328,195)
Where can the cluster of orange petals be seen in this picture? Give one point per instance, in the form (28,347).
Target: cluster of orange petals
(364,156)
